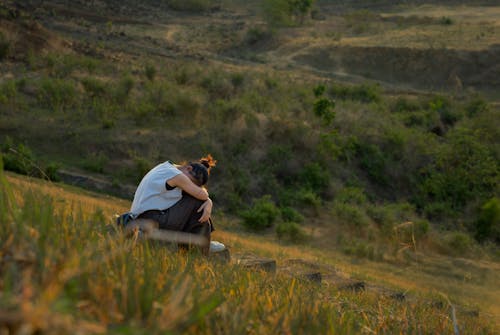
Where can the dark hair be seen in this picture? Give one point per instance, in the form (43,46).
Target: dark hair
(201,170)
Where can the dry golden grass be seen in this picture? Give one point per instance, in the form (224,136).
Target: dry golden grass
(472,285)
(136,287)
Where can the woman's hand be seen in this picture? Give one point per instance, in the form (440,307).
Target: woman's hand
(206,207)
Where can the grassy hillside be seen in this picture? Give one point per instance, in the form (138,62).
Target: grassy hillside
(366,130)
(66,269)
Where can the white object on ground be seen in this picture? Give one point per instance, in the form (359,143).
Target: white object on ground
(216,247)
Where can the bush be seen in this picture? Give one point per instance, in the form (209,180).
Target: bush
(191,5)
(150,71)
(289,214)
(95,162)
(262,214)
(476,106)
(94,87)
(487,226)
(351,215)
(57,94)
(51,172)
(4,47)
(123,88)
(314,177)
(463,170)
(459,243)
(290,231)
(256,35)
(448,113)
(363,93)
(351,195)
(19,159)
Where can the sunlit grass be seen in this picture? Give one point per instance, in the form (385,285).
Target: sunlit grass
(66,270)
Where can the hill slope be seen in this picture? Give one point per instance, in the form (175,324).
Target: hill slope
(422,286)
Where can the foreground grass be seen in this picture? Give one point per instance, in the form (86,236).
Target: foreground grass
(65,271)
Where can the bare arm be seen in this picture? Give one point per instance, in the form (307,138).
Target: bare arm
(184,183)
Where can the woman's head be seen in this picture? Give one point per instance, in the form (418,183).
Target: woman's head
(200,170)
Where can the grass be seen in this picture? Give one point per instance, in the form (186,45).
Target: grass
(65,269)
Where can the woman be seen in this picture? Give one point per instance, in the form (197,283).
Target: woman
(174,196)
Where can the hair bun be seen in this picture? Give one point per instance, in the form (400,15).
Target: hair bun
(208,161)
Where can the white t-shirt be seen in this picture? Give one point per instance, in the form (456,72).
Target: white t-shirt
(152,192)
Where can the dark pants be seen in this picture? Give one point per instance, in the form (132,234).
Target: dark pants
(182,216)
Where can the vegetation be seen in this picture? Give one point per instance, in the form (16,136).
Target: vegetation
(66,269)
(384,168)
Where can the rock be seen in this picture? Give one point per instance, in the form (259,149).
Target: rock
(223,256)
(250,261)
(355,286)
(314,277)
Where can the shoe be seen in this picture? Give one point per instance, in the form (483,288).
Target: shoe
(216,247)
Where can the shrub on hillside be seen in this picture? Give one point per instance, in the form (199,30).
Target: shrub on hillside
(122,89)
(261,215)
(57,94)
(363,93)
(463,170)
(4,46)
(487,226)
(191,5)
(286,12)
(314,177)
(290,231)
(448,113)
(94,87)
(288,214)
(17,158)
(352,216)
(256,35)
(458,243)
(150,71)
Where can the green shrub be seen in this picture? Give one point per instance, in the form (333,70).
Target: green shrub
(280,13)
(446,20)
(351,195)
(363,93)
(322,108)
(261,215)
(458,243)
(373,161)
(123,88)
(448,113)
(403,105)
(9,91)
(51,172)
(19,159)
(95,162)
(288,214)
(57,94)
(217,85)
(191,5)
(463,170)
(487,226)
(290,231)
(257,35)
(94,87)
(476,106)
(4,46)
(314,177)
(351,215)
(360,249)
(150,71)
